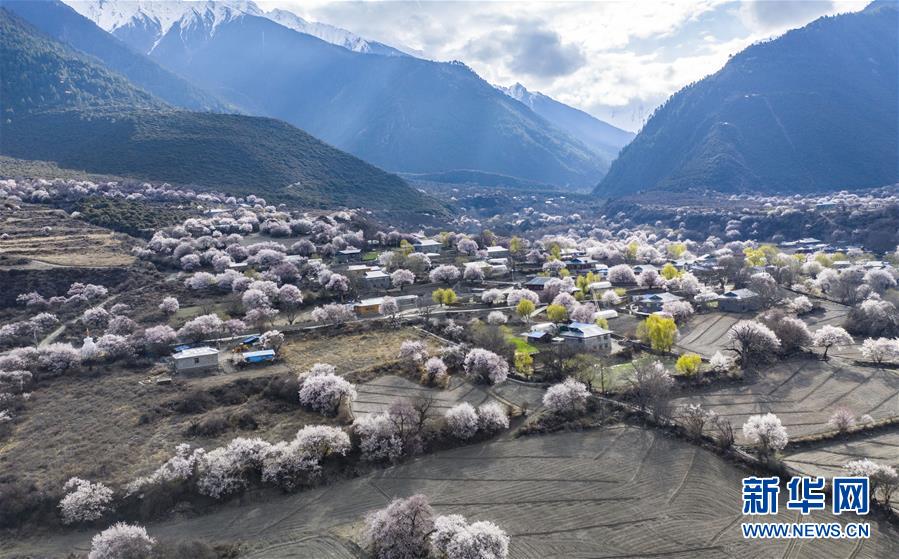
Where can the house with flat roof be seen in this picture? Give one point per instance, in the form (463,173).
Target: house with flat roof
(349,254)
(196,359)
(377,279)
(372,306)
(739,300)
(427,245)
(497,252)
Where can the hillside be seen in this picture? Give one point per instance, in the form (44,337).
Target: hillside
(813,110)
(64,24)
(61,106)
(40,75)
(398,112)
(603,138)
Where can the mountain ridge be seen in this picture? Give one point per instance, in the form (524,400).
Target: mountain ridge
(812,110)
(401,113)
(62,106)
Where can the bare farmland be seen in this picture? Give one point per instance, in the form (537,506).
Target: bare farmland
(617,492)
(804,393)
(707,333)
(377,395)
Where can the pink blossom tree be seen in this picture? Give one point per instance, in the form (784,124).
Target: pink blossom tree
(567,399)
(290,299)
(486,367)
(401,278)
(332,313)
(401,530)
(322,390)
(169,305)
(445,273)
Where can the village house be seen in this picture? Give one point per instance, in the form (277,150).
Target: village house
(537,283)
(428,246)
(359,270)
(640,268)
(196,359)
(598,287)
(497,252)
(372,306)
(377,279)
(349,254)
(739,300)
(580,264)
(586,337)
(653,302)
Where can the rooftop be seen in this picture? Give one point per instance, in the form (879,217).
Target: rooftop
(195,352)
(582,330)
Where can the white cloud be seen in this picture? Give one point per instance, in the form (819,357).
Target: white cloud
(617,60)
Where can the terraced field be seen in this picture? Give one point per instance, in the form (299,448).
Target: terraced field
(376,396)
(804,393)
(707,333)
(828,459)
(618,492)
(50,238)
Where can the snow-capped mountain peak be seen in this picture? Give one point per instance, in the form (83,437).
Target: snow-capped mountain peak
(145,22)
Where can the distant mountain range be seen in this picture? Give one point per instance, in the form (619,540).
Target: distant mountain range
(64,24)
(605,139)
(814,110)
(142,23)
(399,112)
(62,105)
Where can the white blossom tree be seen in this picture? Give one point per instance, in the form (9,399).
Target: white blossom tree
(413,351)
(122,541)
(401,278)
(752,342)
(880,350)
(828,336)
(720,363)
(622,274)
(843,419)
(883,479)
(333,314)
(462,421)
(767,433)
(679,310)
(497,318)
(84,501)
(454,538)
(290,299)
(492,418)
(272,339)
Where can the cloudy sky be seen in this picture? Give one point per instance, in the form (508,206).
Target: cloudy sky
(617,60)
